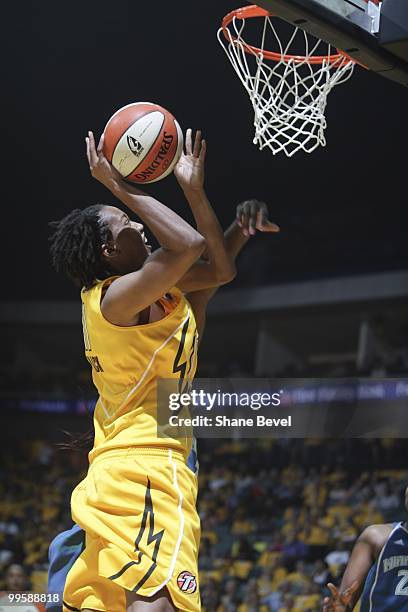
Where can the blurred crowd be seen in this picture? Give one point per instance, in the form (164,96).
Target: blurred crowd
(75,382)
(279,517)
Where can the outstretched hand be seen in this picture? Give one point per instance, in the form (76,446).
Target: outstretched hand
(99,166)
(339,602)
(252,215)
(189,170)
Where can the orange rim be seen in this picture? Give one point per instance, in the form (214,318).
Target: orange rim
(248,12)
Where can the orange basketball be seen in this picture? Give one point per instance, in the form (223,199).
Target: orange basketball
(143,141)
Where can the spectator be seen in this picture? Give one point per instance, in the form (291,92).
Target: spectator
(230,599)
(293,548)
(339,556)
(16,579)
(321,573)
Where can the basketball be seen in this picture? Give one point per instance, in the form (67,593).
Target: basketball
(143,141)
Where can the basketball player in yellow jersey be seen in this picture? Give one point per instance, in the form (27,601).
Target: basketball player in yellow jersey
(137,503)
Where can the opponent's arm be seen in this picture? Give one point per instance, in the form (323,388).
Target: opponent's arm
(217,268)
(181,244)
(251,216)
(364,554)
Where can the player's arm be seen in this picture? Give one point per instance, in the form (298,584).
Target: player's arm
(251,216)
(364,554)
(217,268)
(181,244)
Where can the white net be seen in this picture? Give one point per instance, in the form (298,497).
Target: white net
(288,94)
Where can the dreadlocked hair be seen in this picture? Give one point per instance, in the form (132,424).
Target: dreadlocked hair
(76,245)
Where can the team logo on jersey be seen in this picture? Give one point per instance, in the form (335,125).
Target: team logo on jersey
(187,582)
(134,145)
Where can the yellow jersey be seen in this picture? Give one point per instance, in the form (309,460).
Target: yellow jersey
(126,364)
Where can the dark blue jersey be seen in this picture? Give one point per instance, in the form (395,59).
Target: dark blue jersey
(386,585)
(63,552)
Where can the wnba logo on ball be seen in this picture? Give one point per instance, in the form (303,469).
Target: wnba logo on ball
(187,582)
(134,145)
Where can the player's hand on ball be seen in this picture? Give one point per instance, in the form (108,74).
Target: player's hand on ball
(99,166)
(339,602)
(189,170)
(252,215)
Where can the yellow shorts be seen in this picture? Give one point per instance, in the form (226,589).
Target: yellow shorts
(138,509)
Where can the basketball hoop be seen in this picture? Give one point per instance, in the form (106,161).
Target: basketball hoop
(288,90)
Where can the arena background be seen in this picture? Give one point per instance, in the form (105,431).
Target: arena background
(327,297)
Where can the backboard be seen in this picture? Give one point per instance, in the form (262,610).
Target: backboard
(362,13)
(373,32)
